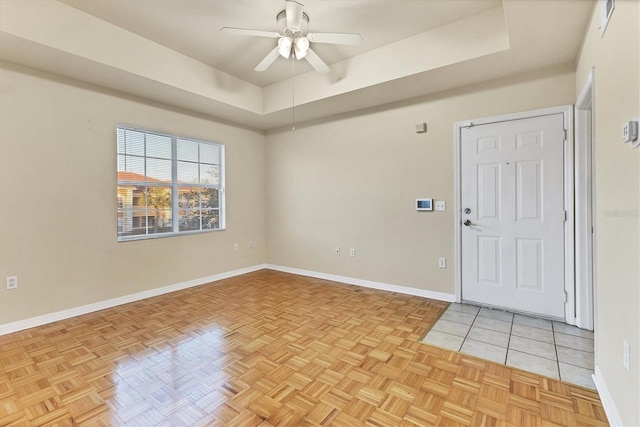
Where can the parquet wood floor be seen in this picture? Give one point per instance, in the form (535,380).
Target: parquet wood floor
(269,348)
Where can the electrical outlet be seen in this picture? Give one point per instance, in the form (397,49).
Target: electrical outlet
(337,251)
(625,354)
(235,247)
(12,282)
(442,262)
(352,252)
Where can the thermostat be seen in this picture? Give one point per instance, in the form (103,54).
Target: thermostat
(424,204)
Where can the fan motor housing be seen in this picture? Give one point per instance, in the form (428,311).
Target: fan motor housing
(281,18)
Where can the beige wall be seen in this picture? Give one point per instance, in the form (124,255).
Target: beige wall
(617,187)
(349,182)
(352,182)
(58,198)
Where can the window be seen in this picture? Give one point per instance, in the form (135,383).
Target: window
(168,185)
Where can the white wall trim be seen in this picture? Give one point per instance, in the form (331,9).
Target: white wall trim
(32,322)
(457,207)
(569,225)
(606,399)
(440,296)
(20,325)
(584,173)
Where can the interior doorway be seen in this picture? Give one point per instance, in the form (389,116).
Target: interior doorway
(514,264)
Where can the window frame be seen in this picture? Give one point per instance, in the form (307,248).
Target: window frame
(174,185)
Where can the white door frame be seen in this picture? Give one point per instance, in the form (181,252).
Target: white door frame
(567,112)
(585,171)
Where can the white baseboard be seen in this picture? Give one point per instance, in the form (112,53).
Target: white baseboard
(20,325)
(32,322)
(441,296)
(607,401)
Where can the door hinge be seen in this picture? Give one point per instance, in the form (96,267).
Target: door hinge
(565,135)
(566,297)
(565,216)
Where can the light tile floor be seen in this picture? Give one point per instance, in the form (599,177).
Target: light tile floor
(546,347)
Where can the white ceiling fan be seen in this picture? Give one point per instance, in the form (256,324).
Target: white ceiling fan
(292,42)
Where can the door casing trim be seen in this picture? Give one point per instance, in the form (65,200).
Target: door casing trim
(569,250)
(585,197)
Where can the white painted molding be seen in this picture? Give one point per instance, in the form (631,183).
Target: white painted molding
(441,296)
(32,322)
(607,401)
(584,171)
(20,325)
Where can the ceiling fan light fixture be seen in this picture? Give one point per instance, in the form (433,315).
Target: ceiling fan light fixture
(293,40)
(284,47)
(301,47)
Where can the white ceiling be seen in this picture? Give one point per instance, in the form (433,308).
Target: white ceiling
(172,51)
(193,27)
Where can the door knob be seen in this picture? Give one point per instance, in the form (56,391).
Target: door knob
(467,223)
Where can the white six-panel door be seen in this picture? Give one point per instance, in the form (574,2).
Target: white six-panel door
(512,192)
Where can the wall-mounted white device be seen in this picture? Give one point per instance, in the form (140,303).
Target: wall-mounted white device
(630,132)
(424,204)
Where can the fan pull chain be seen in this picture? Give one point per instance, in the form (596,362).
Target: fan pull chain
(293,94)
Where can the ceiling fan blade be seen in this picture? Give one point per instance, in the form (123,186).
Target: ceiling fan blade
(248,32)
(335,38)
(316,62)
(268,60)
(294,12)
